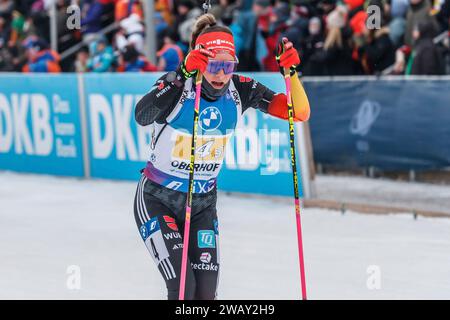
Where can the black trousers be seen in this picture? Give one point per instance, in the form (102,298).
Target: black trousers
(159,214)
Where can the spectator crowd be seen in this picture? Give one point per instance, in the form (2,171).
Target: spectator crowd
(333,37)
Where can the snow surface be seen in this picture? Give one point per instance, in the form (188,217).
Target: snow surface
(48,224)
(403,194)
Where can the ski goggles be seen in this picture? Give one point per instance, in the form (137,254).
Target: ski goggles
(214,66)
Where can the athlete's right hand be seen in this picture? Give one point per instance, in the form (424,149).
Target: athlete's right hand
(197,60)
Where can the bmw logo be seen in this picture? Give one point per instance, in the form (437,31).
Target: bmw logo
(210,118)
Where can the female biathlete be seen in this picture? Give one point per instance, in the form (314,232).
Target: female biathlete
(160,201)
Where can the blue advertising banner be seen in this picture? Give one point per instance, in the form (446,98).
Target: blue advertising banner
(40,124)
(389,124)
(118,147)
(257,158)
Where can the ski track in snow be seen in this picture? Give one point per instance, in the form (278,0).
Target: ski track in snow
(48,224)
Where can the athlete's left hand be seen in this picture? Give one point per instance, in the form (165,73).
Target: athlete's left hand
(287,56)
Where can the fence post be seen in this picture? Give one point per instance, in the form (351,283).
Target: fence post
(150,35)
(84,126)
(305,156)
(53,27)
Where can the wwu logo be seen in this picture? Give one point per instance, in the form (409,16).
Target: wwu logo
(172,235)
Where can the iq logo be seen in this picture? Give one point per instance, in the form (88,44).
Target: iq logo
(206,239)
(210,119)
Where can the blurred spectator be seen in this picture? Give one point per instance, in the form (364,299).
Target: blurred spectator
(397,28)
(399,8)
(377,53)
(278,26)
(266,29)
(101,56)
(356,15)
(228,10)
(39,20)
(397,24)
(164,8)
(336,55)
(375,49)
(185,26)
(330,35)
(132,61)
(124,8)
(223,9)
(17,28)
(131,32)
(81,60)
(426,57)
(5,32)
(354,7)
(91,24)
(183,7)
(297,25)
(6,9)
(324,7)
(253,47)
(160,27)
(264,12)
(443,15)
(312,49)
(6,58)
(228,19)
(170,55)
(419,11)
(40,57)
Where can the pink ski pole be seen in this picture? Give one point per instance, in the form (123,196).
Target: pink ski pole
(287,79)
(187,222)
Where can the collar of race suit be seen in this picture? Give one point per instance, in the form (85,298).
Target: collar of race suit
(210,93)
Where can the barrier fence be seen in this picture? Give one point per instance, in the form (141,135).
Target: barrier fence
(82,125)
(392,123)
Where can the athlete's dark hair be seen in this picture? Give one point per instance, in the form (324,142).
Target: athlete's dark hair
(206,23)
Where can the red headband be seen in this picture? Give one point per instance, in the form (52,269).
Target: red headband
(217,41)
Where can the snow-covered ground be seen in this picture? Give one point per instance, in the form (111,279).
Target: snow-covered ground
(48,224)
(384,192)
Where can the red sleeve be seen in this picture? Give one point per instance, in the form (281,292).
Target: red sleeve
(278,107)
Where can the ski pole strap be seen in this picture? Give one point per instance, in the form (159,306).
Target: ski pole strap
(186,74)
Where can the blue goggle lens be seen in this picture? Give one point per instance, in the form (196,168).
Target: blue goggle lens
(214,66)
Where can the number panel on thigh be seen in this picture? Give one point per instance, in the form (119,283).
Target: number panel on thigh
(154,241)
